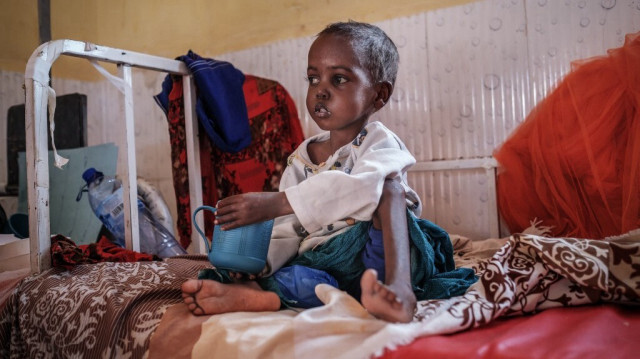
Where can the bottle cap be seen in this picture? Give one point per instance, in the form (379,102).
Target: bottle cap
(91,175)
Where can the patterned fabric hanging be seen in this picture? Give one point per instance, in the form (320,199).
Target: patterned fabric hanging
(275,133)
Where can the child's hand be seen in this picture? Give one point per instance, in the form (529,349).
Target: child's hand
(242,277)
(243,209)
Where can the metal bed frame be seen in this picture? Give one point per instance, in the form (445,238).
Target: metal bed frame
(37,90)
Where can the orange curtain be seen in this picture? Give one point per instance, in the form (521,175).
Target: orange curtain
(574,163)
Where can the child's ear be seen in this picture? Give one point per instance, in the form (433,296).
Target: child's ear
(384,90)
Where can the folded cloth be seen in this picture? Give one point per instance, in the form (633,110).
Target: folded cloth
(220,103)
(66,254)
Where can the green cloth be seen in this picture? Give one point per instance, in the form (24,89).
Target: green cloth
(433,272)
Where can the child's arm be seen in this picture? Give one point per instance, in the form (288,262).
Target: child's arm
(247,208)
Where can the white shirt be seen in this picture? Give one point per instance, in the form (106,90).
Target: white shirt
(328,198)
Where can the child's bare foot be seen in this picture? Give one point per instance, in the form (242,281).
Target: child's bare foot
(203,296)
(384,302)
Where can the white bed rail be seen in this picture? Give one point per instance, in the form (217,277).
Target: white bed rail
(37,86)
(489,164)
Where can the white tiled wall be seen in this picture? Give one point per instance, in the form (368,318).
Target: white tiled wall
(469,75)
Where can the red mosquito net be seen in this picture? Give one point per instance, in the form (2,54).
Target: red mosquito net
(574,163)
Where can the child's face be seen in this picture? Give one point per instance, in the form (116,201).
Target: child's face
(341,95)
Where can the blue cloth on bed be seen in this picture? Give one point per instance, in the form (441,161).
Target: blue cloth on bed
(373,253)
(298,284)
(220,103)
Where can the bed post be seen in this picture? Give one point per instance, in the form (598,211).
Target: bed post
(38,176)
(494,217)
(37,154)
(131,220)
(193,159)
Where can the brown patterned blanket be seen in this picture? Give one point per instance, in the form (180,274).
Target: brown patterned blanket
(102,310)
(114,310)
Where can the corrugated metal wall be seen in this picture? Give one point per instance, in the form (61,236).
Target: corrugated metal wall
(469,75)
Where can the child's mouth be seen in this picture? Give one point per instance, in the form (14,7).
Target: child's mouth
(321,111)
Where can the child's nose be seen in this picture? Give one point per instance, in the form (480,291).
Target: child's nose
(322,94)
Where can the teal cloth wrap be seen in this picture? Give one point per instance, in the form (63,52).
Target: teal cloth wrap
(433,272)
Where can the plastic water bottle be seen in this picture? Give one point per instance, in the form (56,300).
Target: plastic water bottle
(105,199)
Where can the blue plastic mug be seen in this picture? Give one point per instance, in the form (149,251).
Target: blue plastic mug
(243,249)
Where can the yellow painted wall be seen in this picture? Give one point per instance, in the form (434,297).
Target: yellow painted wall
(169,28)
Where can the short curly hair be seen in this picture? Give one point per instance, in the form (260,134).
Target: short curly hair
(374,48)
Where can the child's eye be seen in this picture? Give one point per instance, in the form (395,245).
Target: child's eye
(312,80)
(339,80)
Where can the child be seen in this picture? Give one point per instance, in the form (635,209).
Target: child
(345,215)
